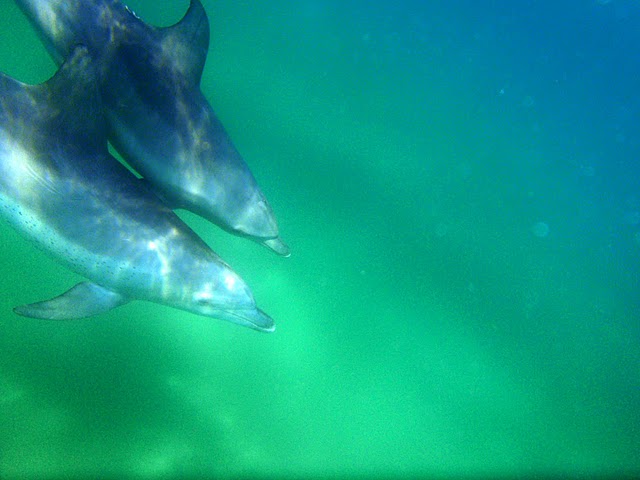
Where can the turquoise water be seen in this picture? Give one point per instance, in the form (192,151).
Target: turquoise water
(458,182)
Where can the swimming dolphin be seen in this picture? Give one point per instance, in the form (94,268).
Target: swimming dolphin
(60,188)
(159,120)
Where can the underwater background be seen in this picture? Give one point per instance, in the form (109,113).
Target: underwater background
(459,185)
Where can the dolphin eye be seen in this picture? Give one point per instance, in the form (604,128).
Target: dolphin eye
(203,299)
(204,296)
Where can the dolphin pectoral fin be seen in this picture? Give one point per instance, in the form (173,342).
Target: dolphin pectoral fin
(278,246)
(83,300)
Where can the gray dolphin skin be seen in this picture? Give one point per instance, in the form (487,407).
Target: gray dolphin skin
(158,118)
(61,189)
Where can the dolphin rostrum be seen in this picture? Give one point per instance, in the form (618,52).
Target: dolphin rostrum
(60,188)
(158,118)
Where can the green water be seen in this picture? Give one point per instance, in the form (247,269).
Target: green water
(423,328)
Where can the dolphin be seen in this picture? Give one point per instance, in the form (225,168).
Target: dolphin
(60,188)
(158,118)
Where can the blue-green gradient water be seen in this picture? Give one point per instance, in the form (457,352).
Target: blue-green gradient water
(459,184)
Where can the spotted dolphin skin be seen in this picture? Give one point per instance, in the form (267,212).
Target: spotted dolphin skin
(61,189)
(158,118)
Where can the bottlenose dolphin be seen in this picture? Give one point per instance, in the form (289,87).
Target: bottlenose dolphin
(60,188)
(159,120)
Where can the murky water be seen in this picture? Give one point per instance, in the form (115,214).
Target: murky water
(461,298)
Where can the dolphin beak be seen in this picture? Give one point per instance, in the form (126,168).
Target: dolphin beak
(253,318)
(261,321)
(278,246)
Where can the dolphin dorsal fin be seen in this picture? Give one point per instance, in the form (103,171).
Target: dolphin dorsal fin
(74,92)
(187,42)
(68,104)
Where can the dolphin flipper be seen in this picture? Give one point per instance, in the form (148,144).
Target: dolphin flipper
(83,300)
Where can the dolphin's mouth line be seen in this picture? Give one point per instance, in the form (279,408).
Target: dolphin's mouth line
(243,316)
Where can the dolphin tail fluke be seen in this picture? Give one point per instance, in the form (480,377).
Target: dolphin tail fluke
(83,300)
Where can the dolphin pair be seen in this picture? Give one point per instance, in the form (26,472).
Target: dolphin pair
(60,187)
(157,116)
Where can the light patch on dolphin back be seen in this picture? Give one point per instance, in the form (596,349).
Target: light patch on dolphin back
(160,248)
(176,54)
